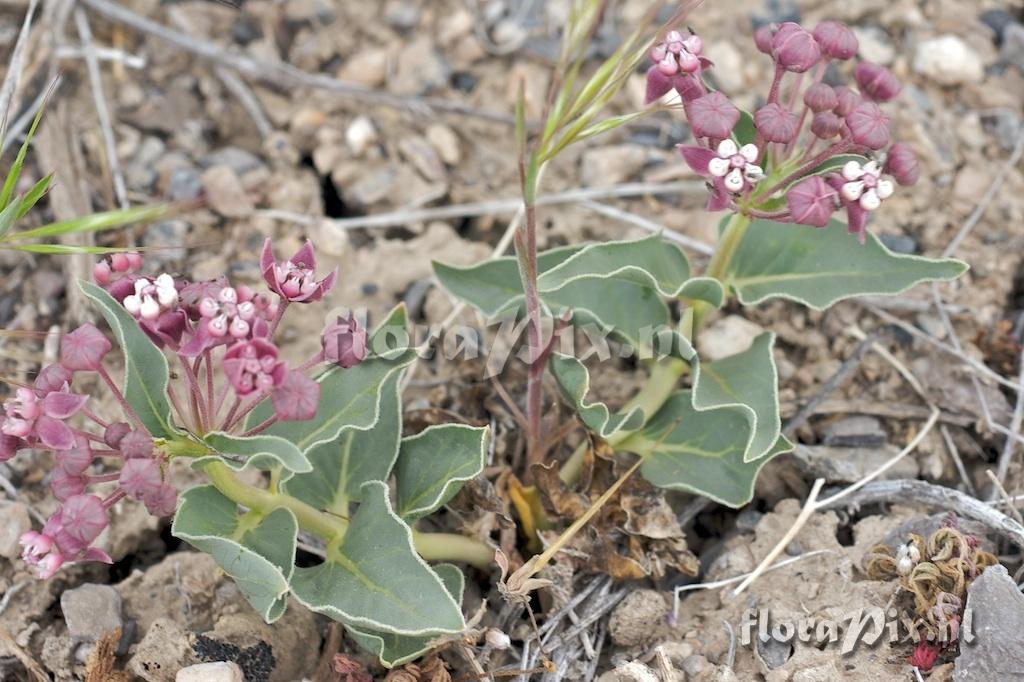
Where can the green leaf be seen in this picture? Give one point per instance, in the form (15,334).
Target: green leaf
(699,452)
(96,222)
(394,650)
(745,131)
(9,215)
(258,552)
(836,163)
(818,267)
(747,381)
(34,195)
(433,465)
(341,466)
(61,249)
(255,452)
(574,383)
(19,161)
(349,398)
(376,580)
(706,289)
(145,367)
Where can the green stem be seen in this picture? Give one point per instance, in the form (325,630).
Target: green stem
(659,386)
(718,266)
(453,547)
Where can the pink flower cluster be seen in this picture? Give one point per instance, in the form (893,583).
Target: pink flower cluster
(803,124)
(191,321)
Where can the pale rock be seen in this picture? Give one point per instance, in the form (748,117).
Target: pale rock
(948,60)
(633,671)
(221,671)
(367,67)
(14,522)
(163,651)
(422,155)
(606,166)
(225,194)
(446,142)
(91,611)
(728,69)
(455,26)
(360,134)
(421,70)
(874,45)
(637,618)
(727,336)
(997,652)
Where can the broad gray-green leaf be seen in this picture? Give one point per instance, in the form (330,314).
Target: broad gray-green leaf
(341,466)
(747,381)
(699,452)
(818,267)
(349,399)
(394,650)
(256,452)
(258,552)
(706,289)
(145,367)
(433,465)
(574,382)
(376,580)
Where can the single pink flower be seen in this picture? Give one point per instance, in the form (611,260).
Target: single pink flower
(836,40)
(712,116)
(227,314)
(344,342)
(84,348)
(297,398)
(811,202)
(861,190)
(677,66)
(295,279)
(31,418)
(730,169)
(253,366)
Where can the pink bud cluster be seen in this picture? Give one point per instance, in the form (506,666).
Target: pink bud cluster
(191,321)
(677,65)
(797,117)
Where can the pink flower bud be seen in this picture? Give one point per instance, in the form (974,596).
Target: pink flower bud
(48,566)
(826,125)
(140,477)
(848,100)
(776,124)
(136,445)
(836,39)
(83,518)
(115,433)
(901,163)
(344,342)
(208,307)
(877,82)
(794,48)
(150,309)
(101,273)
(811,202)
(239,328)
(297,398)
(763,39)
(688,62)
(162,501)
(712,115)
(218,326)
(134,260)
(820,97)
(119,262)
(869,126)
(52,378)
(668,65)
(84,348)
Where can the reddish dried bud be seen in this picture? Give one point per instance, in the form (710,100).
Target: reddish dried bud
(794,48)
(712,115)
(901,163)
(924,656)
(776,124)
(877,82)
(826,125)
(812,202)
(820,97)
(848,100)
(869,126)
(836,39)
(763,39)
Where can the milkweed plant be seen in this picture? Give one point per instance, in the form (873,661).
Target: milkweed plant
(200,377)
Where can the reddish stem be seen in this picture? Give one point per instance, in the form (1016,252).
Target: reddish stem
(312,362)
(114,498)
(210,415)
(88,413)
(837,148)
(90,436)
(103,478)
(262,426)
(281,307)
(773,93)
(128,409)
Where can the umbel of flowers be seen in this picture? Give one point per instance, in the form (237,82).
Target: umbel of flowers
(222,336)
(811,149)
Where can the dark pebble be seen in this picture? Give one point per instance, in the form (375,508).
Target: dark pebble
(997,20)
(899,243)
(464,81)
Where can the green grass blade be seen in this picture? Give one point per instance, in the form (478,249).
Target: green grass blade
(63,249)
(98,222)
(19,161)
(9,215)
(33,196)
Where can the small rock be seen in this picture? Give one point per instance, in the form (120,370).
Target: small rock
(371,188)
(238,160)
(847,465)
(90,611)
(747,519)
(422,155)
(637,617)
(728,61)
(948,60)
(446,142)
(162,652)
(874,45)
(14,521)
(184,184)
(1005,127)
(899,243)
(1012,51)
(605,166)
(221,671)
(224,192)
(854,432)
(360,134)
(167,239)
(402,15)
(634,671)
(419,75)
(774,654)
(728,336)
(997,20)
(367,67)
(997,611)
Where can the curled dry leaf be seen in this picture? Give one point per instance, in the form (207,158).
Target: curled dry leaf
(516,588)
